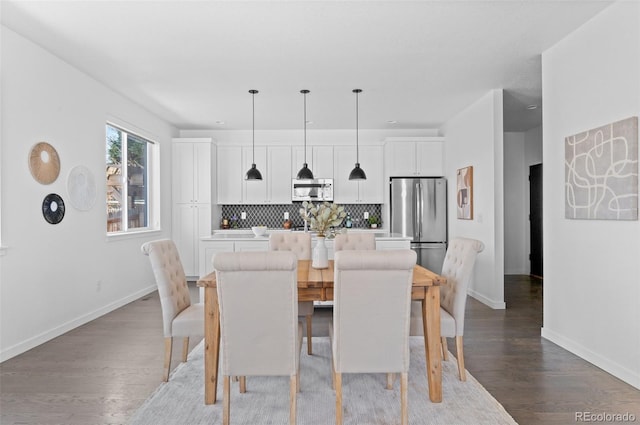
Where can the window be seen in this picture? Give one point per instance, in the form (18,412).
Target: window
(127,187)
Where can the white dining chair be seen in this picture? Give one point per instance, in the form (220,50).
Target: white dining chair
(259,329)
(354,241)
(458,270)
(300,244)
(370,330)
(180,318)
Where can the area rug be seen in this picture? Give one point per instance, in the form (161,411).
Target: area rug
(365,397)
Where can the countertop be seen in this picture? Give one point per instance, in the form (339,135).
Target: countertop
(247,234)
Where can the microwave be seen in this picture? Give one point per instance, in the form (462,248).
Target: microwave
(312,190)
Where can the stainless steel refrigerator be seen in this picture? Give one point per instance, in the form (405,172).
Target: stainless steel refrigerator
(419,210)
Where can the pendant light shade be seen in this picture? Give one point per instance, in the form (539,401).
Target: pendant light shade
(357,173)
(305,173)
(253,173)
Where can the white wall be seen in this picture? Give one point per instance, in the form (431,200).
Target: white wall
(475,137)
(592,267)
(515,216)
(56,277)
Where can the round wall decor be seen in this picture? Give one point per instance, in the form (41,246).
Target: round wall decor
(44,163)
(53,208)
(82,188)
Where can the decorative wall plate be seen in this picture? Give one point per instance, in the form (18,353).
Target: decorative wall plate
(44,163)
(82,188)
(53,208)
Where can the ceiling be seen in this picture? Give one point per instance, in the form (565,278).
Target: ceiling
(419,63)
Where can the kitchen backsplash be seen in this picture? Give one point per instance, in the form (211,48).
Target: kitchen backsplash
(273,215)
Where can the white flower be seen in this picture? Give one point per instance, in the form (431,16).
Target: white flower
(322,217)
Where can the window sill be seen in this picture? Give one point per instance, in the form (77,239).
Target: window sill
(132,235)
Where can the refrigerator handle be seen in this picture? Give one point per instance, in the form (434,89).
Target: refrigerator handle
(419,209)
(416,215)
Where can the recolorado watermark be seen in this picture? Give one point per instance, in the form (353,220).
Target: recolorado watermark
(604,417)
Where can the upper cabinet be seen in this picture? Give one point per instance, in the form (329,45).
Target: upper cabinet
(191,170)
(369,191)
(273,162)
(421,156)
(319,158)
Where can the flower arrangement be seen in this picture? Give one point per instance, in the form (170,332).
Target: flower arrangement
(322,217)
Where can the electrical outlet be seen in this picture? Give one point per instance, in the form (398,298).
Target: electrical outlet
(243,215)
(286,215)
(366,215)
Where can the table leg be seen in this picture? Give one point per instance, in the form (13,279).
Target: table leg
(211,345)
(431,322)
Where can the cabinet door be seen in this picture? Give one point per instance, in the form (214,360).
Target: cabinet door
(202,172)
(207,250)
(429,159)
(182,172)
(230,175)
(255,191)
(402,159)
(371,190)
(279,175)
(322,162)
(345,191)
(184,230)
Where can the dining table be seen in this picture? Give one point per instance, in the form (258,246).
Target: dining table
(317,285)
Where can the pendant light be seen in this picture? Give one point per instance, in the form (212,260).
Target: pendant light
(305,173)
(253,173)
(357,173)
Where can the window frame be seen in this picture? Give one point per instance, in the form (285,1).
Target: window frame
(152,181)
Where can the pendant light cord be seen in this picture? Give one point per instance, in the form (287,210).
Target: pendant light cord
(357,91)
(305,127)
(253,126)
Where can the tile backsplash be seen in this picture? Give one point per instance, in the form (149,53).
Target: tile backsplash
(273,215)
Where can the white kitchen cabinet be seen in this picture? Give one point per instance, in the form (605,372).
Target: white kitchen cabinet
(423,157)
(254,191)
(230,175)
(369,191)
(319,158)
(192,195)
(274,163)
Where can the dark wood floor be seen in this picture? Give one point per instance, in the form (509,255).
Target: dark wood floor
(101,372)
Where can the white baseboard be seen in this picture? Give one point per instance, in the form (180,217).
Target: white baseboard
(496,305)
(32,342)
(629,376)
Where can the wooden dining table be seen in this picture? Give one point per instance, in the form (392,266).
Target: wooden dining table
(317,285)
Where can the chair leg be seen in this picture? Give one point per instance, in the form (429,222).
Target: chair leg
(445,350)
(338,384)
(185,348)
(460,354)
(293,389)
(243,384)
(168,347)
(404,410)
(226,399)
(390,378)
(309,351)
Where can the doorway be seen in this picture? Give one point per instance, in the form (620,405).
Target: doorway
(535,220)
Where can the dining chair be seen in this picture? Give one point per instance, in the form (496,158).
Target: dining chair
(458,270)
(180,318)
(300,244)
(259,328)
(354,241)
(362,342)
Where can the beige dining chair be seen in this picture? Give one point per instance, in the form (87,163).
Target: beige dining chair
(259,329)
(180,318)
(458,270)
(354,241)
(366,281)
(300,244)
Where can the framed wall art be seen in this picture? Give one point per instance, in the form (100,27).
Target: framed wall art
(464,193)
(601,172)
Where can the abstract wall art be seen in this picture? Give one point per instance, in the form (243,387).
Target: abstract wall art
(464,193)
(601,172)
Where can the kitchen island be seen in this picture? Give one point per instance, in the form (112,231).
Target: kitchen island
(238,240)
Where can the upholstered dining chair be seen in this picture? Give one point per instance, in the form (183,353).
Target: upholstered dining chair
(366,281)
(180,318)
(354,241)
(300,244)
(458,270)
(259,328)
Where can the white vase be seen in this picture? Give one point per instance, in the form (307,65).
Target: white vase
(320,258)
